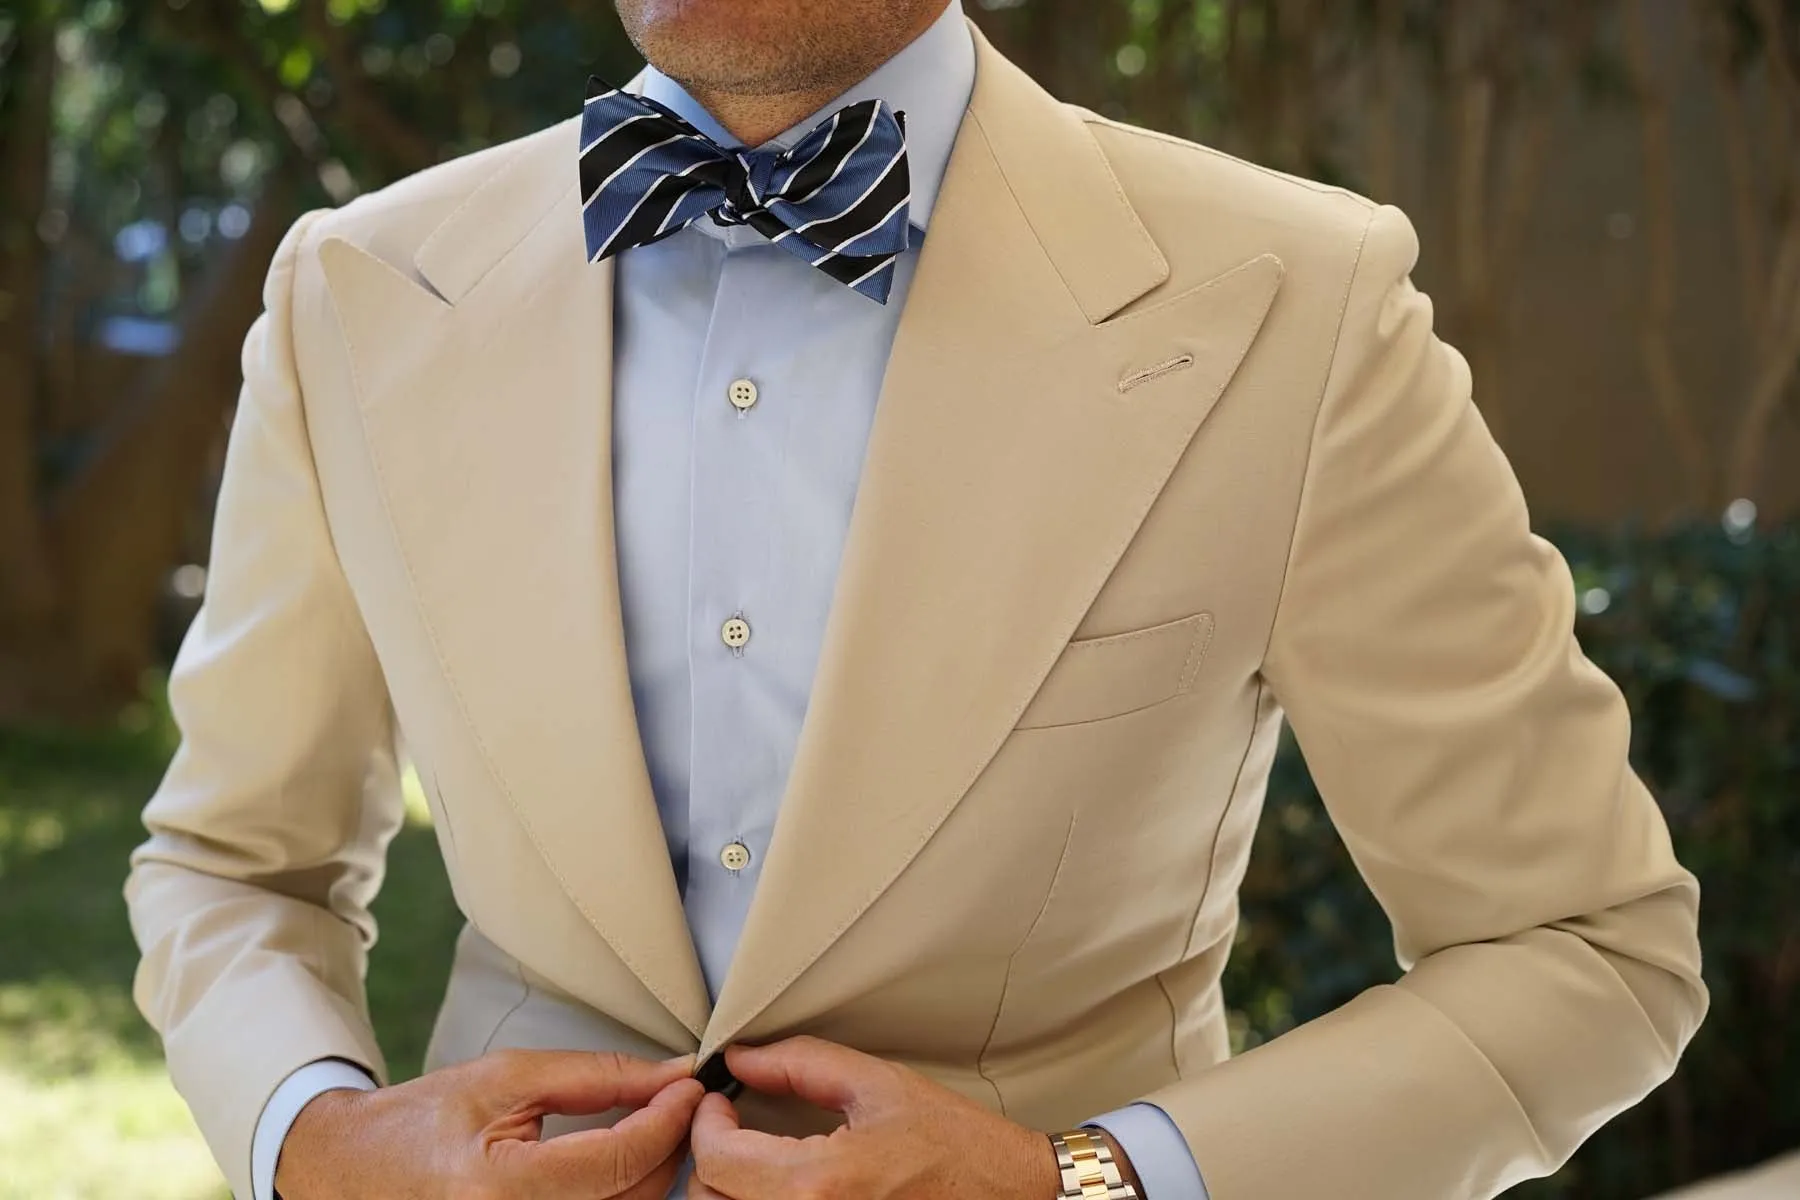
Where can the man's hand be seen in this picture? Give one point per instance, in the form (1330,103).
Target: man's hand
(474,1130)
(907,1137)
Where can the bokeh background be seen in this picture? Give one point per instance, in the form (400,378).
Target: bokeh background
(1609,197)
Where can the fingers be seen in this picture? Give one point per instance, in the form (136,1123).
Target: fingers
(623,1161)
(666,1119)
(659,1183)
(817,1071)
(715,1120)
(581,1083)
(741,1163)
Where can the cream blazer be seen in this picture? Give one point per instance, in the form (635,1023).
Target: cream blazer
(1167,453)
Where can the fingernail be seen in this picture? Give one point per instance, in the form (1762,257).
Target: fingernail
(680,1060)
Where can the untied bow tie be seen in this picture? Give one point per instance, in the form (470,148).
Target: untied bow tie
(839,199)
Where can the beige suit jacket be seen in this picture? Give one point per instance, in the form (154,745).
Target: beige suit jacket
(1167,452)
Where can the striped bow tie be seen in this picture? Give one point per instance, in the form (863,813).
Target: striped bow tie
(838,199)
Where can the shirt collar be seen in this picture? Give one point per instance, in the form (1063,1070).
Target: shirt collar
(930,80)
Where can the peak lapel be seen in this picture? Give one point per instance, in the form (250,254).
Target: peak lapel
(487,405)
(1006,473)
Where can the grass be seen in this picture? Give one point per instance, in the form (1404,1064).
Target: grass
(86,1109)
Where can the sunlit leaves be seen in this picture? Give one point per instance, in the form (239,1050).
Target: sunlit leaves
(296,66)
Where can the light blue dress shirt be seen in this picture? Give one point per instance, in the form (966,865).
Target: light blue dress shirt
(745,384)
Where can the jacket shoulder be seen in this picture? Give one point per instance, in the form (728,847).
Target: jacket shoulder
(1203,206)
(393,221)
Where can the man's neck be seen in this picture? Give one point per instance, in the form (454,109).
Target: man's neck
(754,118)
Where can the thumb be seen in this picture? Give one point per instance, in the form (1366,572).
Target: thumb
(715,1119)
(610,1162)
(582,1083)
(819,1072)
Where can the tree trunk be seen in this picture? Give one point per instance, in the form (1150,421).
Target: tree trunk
(1656,336)
(1775,373)
(1297,27)
(1473,103)
(26,593)
(116,527)
(1381,78)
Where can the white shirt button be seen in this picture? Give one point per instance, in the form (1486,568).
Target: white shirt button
(735,856)
(735,633)
(742,394)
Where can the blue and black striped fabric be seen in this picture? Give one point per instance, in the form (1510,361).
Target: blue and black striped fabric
(838,199)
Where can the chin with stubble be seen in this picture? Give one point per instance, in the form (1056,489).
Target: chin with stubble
(772,47)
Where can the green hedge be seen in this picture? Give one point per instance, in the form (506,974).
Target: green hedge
(1700,627)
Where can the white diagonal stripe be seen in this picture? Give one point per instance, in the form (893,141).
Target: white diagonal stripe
(629,163)
(673,208)
(837,119)
(873,184)
(879,179)
(879,267)
(626,220)
(839,248)
(842,163)
(588,149)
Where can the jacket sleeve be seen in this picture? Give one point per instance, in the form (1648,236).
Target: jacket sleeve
(1475,764)
(250,900)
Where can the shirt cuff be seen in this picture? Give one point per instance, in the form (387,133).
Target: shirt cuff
(295,1093)
(1158,1152)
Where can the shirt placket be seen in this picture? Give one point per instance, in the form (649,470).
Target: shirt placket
(735,614)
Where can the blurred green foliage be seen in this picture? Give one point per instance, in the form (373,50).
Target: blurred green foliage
(86,1111)
(1700,627)
(173,110)
(69,805)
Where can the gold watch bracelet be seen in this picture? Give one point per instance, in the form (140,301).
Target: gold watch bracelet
(1088,1169)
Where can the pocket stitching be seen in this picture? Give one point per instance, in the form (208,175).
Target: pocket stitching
(1190,670)
(1119,639)
(1199,643)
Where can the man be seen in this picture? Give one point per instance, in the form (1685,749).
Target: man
(899,759)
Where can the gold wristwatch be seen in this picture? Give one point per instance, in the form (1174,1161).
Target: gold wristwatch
(1089,1171)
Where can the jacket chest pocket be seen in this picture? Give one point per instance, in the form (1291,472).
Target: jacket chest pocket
(1110,676)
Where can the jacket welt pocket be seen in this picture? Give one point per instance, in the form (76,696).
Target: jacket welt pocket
(1110,676)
